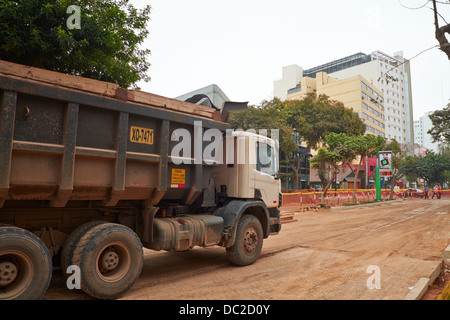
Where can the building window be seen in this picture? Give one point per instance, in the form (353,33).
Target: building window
(363,85)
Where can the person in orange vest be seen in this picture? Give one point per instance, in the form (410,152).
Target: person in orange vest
(439,191)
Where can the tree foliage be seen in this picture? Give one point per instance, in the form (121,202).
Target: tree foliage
(313,118)
(410,168)
(440,119)
(308,120)
(105,47)
(366,146)
(433,168)
(342,150)
(398,156)
(269,115)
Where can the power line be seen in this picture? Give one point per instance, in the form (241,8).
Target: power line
(400,1)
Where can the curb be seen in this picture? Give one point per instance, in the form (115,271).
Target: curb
(419,289)
(447,252)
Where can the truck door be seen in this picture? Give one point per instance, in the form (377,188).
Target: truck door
(267,186)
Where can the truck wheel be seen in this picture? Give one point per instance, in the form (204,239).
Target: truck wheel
(248,244)
(72,242)
(110,258)
(25,265)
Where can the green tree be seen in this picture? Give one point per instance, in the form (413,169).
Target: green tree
(433,168)
(105,46)
(445,151)
(340,151)
(343,149)
(365,146)
(267,116)
(410,167)
(398,156)
(440,132)
(313,118)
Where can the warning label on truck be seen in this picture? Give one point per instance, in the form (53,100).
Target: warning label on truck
(141,135)
(178,177)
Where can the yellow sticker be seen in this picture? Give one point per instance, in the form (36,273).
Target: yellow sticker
(178,176)
(141,135)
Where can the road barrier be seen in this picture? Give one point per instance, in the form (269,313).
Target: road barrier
(311,198)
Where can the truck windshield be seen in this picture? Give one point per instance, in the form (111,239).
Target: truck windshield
(266,159)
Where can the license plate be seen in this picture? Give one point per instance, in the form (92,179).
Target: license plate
(141,135)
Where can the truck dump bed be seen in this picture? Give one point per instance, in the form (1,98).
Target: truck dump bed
(65,138)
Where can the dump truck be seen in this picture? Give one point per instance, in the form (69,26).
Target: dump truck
(92,174)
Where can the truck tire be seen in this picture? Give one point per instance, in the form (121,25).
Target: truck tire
(25,265)
(71,243)
(110,258)
(248,244)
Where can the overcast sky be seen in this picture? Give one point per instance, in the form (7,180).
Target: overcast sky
(242,45)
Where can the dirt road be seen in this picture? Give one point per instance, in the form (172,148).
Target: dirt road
(324,255)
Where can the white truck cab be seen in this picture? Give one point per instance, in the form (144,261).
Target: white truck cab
(251,168)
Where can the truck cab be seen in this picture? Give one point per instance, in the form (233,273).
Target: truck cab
(251,168)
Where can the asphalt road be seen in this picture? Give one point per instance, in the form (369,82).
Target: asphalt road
(369,253)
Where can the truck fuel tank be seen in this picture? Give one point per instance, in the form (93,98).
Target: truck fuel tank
(186,231)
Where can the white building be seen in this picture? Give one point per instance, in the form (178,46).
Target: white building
(389,74)
(291,76)
(392,76)
(421,137)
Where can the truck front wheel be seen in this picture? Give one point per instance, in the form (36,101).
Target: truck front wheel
(25,265)
(110,258)
(248,244)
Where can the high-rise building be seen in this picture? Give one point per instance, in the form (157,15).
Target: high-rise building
(389,74)
(421,137)
(392,76)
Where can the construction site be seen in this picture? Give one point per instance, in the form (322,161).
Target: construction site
(321,253)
